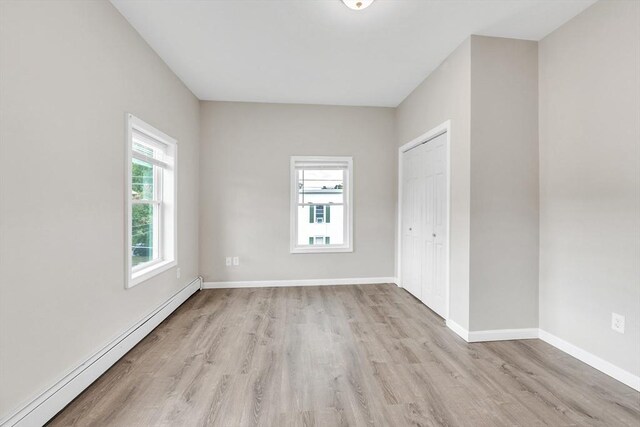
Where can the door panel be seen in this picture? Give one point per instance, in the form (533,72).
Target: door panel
(438,299)
(411,268)
(424,223)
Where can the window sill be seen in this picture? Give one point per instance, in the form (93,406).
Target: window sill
(320,250)
(149,272)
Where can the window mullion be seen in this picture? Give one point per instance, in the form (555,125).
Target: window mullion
(145,202)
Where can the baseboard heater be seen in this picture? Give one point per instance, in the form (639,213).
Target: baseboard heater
(46,405)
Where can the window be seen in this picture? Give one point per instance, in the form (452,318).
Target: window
(319,240)
(318,213)
(151,245)
(321,204)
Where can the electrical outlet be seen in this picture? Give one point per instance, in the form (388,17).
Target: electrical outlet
(617,322)
(178,272)
(236,260)
(228,261)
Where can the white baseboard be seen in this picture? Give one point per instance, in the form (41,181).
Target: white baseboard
(592,360)
(503,335)
(493,334)
(306,282)
(462,332)
(51,401)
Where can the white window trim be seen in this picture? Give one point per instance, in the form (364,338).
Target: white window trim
(347,246)
(169,254)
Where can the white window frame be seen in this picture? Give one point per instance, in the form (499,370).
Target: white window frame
(323,162)
(165,197)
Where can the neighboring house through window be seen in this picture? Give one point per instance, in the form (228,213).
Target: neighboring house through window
(321,204)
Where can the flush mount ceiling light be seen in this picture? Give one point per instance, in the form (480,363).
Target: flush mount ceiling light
(357,4)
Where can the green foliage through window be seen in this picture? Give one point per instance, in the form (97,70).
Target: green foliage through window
(142,215)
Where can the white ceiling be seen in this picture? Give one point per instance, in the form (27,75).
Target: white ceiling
(321,52)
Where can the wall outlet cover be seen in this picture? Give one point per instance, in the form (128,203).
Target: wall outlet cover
(236,260)
(178,272)
(228,261)
(617,322)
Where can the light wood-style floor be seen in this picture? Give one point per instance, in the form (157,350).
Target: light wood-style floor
(340,355)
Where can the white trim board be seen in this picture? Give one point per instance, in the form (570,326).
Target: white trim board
(503,335)
(459,330)
(590,359)
(305,282)
(55,398)
(492,335)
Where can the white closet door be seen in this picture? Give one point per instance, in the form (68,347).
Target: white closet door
(424,223)
(428,242)
(411,253)
(434,291)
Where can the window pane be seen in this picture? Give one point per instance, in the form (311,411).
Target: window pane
(320,186)
(330,230)
(143,149)
(143,228)
(319,213)
(142,180)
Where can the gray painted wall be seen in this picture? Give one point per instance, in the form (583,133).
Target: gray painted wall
(504,184)
(590,181)
(245,189)
(488,89)
(69,70)
(445,95)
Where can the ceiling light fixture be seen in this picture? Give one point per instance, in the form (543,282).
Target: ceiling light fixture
(357,4)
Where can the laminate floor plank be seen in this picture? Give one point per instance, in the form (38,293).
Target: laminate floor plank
(365,355)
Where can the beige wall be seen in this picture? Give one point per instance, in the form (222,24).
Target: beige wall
(445,95)
(504,184)
(590,181)
(69,70)
(245,188)
(488,89)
